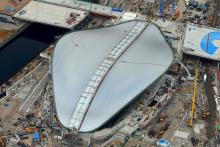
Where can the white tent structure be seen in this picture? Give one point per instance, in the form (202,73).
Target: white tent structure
(98,72)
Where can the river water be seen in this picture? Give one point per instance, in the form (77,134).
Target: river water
(25,47)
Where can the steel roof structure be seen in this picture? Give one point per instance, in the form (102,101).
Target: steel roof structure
(98,72)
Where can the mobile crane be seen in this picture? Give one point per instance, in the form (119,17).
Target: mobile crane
(190,122)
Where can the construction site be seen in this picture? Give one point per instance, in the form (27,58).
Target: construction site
(93,82)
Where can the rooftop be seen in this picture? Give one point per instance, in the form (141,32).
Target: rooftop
(202,41)
(10,7)
(87,6)
(51,14)
(94,78)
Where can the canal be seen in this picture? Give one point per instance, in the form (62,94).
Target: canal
(25,47)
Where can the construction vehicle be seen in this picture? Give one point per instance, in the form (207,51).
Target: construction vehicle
(44,135)
(205,114)
(190,122)
(161,119)
(177,14)
(161,131)
(30,129)
(21,135)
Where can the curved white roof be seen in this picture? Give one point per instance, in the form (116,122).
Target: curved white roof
(98,72)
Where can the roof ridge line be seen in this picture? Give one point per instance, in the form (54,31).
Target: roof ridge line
(102,70)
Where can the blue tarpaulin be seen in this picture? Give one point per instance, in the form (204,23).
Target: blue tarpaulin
(36,136)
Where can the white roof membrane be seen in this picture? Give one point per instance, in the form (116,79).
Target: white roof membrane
(77,57)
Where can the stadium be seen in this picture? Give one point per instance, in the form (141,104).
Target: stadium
(98,72)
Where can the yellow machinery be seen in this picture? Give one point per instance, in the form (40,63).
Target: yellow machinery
(190,122)
(205,114)
(30,129)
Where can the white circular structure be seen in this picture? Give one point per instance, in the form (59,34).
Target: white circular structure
(98,72)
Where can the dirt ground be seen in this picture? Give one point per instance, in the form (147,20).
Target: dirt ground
(216,12)
(8,109)
(210,128)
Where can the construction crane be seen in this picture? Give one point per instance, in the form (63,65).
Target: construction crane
(162,3)
(190,122)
